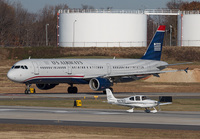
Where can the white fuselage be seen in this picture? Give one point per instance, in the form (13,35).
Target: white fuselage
(79,71)
(138,101)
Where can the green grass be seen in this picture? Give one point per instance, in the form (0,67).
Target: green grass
(178,104)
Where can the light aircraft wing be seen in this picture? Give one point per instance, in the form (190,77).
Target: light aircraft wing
(165,103)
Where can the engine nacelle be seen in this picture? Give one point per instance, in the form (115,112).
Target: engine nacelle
(45,86)
(99,84)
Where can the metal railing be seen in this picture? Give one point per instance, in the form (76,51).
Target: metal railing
(100,11)
(189,42)
(103,44)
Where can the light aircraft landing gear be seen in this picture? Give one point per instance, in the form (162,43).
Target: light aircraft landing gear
(72,89)
(29,90)
(147,110)
(130,110)
(152,111)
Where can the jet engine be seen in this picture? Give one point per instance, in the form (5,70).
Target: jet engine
(99,84)
(46,86)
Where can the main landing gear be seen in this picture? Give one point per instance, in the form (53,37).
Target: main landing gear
(29,90)
(152,111)
(72,89)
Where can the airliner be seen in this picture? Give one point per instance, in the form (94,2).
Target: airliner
(98,73)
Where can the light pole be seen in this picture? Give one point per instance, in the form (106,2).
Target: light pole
(46,35)
(74,31)
(170,29)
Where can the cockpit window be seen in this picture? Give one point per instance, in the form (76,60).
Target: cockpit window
(19,67)
(137,98)
(132,98)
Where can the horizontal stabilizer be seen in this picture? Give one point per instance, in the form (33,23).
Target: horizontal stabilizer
(165,98)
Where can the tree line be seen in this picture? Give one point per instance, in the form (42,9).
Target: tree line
(18,27)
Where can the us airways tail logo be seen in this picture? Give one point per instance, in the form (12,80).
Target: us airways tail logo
(157,46)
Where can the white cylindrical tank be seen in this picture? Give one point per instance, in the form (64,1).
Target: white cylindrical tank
(189,29)
(102,29)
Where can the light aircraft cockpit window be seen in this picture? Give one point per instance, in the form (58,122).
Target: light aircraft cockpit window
(26,67)
(137,98)
(22,67)
(132,98)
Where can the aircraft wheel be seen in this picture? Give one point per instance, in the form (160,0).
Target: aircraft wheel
(75,89)
(69,89)
(27,91)
(147,111)
(72,90)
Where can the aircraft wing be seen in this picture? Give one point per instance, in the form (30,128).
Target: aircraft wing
(154,73)
(165,103)
(135,74)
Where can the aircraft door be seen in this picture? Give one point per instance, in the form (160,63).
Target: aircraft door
(36,68)
(69,69)
(108,68)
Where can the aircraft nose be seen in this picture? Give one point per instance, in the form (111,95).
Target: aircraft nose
(11,75)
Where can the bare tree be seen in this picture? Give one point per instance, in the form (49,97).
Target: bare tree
(7,18)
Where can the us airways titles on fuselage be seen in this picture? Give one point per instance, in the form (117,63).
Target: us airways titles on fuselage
(56,62)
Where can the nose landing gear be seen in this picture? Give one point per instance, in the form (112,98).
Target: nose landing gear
(29,90)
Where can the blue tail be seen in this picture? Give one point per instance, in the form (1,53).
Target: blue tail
(155,47)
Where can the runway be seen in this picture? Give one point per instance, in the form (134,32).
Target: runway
(99,118)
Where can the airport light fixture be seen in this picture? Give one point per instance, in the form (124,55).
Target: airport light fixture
(46,34)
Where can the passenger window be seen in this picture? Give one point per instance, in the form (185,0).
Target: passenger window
(22,67)
(26,67)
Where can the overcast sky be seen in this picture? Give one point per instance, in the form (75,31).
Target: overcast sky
(36,5)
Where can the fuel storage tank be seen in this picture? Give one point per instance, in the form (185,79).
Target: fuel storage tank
(102,28)
(189,28)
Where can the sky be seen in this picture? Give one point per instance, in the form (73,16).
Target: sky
(36,5)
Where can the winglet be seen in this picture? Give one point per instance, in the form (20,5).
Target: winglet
(155,47)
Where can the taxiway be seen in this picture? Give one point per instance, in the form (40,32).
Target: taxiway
(97,117)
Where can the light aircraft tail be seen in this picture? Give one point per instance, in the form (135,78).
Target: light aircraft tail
(110,97)
(155,47)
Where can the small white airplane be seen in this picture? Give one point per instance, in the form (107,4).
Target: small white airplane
(138,101)
(98,73)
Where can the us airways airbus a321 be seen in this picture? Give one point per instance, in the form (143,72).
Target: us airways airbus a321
(98,73)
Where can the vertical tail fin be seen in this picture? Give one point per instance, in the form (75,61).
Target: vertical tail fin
(110,96)
(155,47)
